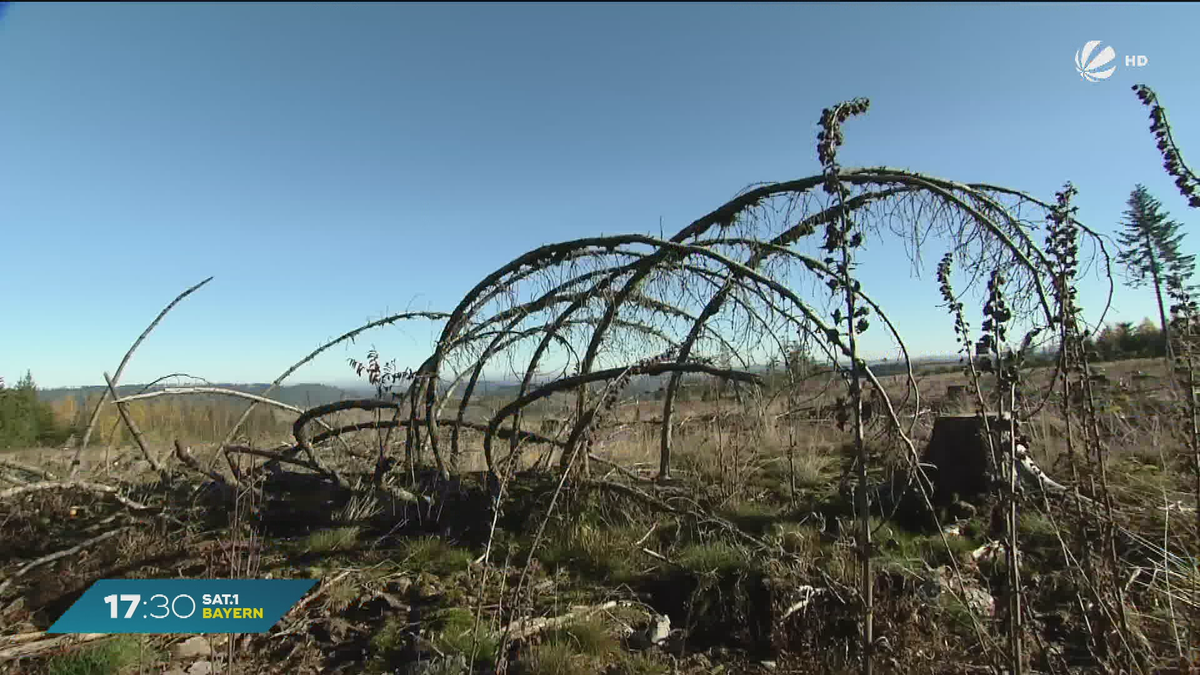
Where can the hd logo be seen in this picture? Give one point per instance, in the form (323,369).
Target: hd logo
(1092,66)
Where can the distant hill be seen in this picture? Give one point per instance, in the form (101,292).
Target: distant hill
(298,395)
(312,394)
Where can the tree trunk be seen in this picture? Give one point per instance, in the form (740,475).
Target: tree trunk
(1156,277)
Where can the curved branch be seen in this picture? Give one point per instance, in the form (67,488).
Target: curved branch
(116,378)
(193,391)
(350,335)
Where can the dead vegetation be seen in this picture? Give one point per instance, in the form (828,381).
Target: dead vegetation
(843,521)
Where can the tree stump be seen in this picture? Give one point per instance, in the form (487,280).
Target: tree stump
(963,467)
(956,391)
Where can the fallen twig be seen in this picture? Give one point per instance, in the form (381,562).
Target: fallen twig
(80,484)
(655,554)
(17,466)
(810,592)
(60,554)
(31,644)
(313,463)
(524,628)
(618,468)
(273,456)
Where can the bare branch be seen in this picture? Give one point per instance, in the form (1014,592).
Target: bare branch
(121,369)
(73,484)
(59,555)
(123,409)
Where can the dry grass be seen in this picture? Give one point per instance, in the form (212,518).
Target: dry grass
(774,481)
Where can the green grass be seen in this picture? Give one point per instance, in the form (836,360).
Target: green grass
(118,655)
(387,642)
(753,517)
(454,633)
(597,552)
(336,539)
(640,663)
(590,637)
(810,468)
(555,658)
(433,555)
(907,550)
(574,649)
(715,557)
(343,593)
(1034,525)
(803,541)
(956,615)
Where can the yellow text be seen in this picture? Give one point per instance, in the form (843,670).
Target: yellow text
(232,612)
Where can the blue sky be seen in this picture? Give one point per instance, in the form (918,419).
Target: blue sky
(320,160)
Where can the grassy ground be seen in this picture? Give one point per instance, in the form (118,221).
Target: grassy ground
(749,551)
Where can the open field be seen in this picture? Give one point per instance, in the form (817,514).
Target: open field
(398,588)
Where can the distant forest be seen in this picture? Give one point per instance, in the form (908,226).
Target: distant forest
(31,416)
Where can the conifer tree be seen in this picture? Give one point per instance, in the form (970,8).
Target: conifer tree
(1150,250)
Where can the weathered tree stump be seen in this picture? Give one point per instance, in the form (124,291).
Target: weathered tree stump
(963,467)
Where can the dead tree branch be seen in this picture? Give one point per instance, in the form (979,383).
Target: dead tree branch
(59,555)
(123,409)
(116,379)
(73,484)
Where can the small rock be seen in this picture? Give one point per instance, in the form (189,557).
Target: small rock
(769,665)
(192,648)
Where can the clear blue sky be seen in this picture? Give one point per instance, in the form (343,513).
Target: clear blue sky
(329,163)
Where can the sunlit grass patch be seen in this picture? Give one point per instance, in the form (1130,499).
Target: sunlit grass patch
(334,539)
(117,655)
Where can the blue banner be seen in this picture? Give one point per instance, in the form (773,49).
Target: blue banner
(182,606)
